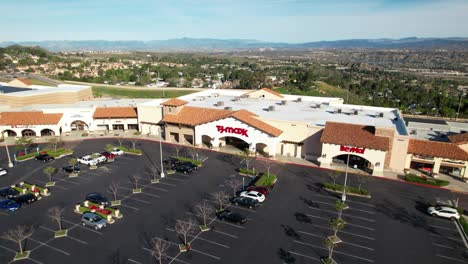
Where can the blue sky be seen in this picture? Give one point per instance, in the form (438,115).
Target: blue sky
(268,20)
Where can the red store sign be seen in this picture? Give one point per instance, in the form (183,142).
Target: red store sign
(239,131)
(352,149)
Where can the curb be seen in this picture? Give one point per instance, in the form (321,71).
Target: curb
(460,229)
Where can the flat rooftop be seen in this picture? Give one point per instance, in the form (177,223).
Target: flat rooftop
(11,89)
(39,90)
(436,130)
(314,110)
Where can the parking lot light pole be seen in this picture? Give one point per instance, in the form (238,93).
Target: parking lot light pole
(343,196)
(10,164)
(160,153)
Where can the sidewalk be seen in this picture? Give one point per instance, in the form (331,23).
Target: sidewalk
(76,136)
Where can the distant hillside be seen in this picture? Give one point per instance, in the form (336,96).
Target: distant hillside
(207,44)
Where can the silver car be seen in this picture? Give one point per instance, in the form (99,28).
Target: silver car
(93,220)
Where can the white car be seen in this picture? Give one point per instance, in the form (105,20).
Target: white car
(117,152)
(98,157)
(87,160)
(3,172)
(254,195)
(443,211)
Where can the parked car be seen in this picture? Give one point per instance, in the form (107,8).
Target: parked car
(444,211)
(186,163)
(254,195)
(260,189)
(93,220)
(183,168)
(26,198)
(171,161)
(71,168)
(98,157)
(3,171)
(245,201)
(117,152)
(9,205)
(44,157)
(98,198)
(226,215)
(87,160)
(108,155)
(9,192)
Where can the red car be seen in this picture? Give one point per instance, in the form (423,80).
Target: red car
(259,189)
(108,155)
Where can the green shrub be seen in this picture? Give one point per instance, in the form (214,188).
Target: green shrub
(429,181)
(27,156)
(136,133)
(266,181)
(124,149)
(246,171)
(84,134)
(349,189)
(194,162)
(464,223)
(59,152)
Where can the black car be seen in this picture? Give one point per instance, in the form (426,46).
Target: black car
(186,163)
(245,201)
(44,157)
(71,169)
(183,168)
(25,198)
(171,161)
(98,198)
(9,193)
(226,215)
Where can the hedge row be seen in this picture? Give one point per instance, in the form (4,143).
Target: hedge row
(429,181)
(194,162)
(27,156)
(349,189)
(51,152)
(109,147)
(247,171)
(266,181)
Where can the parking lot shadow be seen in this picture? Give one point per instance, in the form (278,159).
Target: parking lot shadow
(290,232)
(400,213)
(308,202)
(117,258)
(286,256)
(302,218)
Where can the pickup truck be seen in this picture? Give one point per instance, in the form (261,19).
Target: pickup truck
(92,159)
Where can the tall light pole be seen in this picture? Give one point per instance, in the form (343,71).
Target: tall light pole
(343,196)
(459,106)
(160,152)
(10,164)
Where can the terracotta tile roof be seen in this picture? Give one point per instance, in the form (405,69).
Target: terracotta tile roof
(193,116)
(29,118)
(458,139)
(353,135)
(269,91)
(248,118)
(436,149)
(25,81)
(174,102)
(115,112)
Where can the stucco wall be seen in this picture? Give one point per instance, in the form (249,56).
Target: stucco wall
(399,153)
(149,118)
(168,129)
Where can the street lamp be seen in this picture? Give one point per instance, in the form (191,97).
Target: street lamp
(343,196)
(160,152)
(459,105)
(10,164)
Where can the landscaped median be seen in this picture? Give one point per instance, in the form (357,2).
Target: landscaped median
(61,152)
(247,172)
(24,188)
(425,180)
(107,213)
(194,162)
(338,188)
(266,180)
(110,147)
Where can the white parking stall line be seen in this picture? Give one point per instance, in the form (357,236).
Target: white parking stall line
(149,194)
(65,180)
(33,260)
(125,188)
(156,188)
(2,213)
(337,252)
(49,246)
(79,225)
(345,232)
(197,237)
(173,258)
(349,224)
(451,248)
(12,251)
(343,214)
(134,261)
(356,245)
(352,209)
(216,220)
(43,182)
(347,200)
(441,227)
(451,238)
(454,259)
(224,233)
(174,179)
(168,184)
(68,236)
(206,254)
(128,206)
(305,256)
(131,198)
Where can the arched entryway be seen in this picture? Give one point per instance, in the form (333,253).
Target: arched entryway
(262,149)
(47,132)
(9,133)
(28,133)
(233,143)
(78,125)
(355,162)
(206,141)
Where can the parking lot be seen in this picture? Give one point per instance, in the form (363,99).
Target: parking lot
(289,227)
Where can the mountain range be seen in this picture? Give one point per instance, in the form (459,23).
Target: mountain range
(208,44)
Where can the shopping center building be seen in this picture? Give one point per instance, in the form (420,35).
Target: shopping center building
(323,130)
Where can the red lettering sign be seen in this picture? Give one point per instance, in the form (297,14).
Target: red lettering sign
(239,131)
(352,149)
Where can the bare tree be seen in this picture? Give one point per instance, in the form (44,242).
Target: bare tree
(184,228)
(362,180)
(134,141)
(18,235)
(204,211)
(119,140)
(234,184)
(24,143)
(49,170)
(114,188)
(177,149)
(333,176)
(221,199)
(246,159)
(268,165)
(136,179)
(55,142)
(193,152)
(56,213)
(154,172)
(159,247)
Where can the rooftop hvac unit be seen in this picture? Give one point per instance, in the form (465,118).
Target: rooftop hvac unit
(228,108)
(338,110)
(283,102)
(271,108)
(220,103)
(380,114)
(236,99)
(356,112)
(299,99)
(318,105)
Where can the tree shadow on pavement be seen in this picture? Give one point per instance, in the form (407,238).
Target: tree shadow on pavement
(290,232)
(285,256)
(302,218)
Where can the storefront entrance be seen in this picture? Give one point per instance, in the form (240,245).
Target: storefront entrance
(233,143)
(355,162)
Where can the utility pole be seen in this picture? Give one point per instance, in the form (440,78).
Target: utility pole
(10,164)
(343,196)
(160,152)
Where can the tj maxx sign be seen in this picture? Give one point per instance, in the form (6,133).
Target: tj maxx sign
(239,131)
(352,149)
